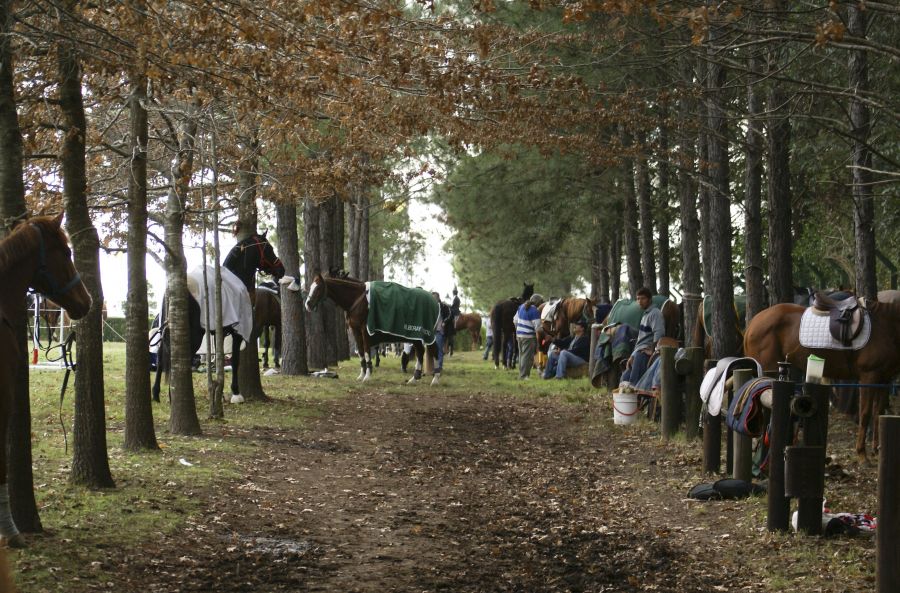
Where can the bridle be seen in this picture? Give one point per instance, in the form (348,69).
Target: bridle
(43,273)
(260,242)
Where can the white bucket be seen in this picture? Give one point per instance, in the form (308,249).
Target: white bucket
(625,408)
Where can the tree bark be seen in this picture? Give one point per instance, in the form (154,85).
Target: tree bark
(341,334)
(364,243)
(90,464)
(315,322)
(19,476)
(603,263)
(645,212)
(632,236)
(753,257)
(781,283)
(663,217)
(183,418)
(249,380)
(139,430)
(326,262)
(721,287)
(293,328)
(703,194)
(615,266)
(860,124)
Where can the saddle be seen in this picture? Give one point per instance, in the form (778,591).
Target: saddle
(845,316)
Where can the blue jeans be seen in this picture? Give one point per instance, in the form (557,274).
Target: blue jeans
(638,367)
(488,346)
(567,359)
(439,342)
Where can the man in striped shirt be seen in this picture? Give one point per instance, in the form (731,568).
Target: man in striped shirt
(528,320)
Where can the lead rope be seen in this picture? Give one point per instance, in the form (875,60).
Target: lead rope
(66,356)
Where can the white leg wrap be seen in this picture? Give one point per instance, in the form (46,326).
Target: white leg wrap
(7,525)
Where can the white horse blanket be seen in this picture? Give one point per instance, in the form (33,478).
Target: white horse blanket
(236,308)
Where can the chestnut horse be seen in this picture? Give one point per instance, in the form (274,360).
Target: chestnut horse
(774,335)
(568,311)
(470,322)
(350,295)
(267,323)
(36,254)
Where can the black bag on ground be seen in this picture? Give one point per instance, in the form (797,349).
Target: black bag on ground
(725,489)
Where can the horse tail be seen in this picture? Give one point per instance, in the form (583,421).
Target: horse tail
(698,332)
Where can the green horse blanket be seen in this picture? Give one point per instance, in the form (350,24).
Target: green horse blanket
(740,313)
(627,311)
(407,313)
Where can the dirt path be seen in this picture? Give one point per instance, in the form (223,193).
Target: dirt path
(437,492)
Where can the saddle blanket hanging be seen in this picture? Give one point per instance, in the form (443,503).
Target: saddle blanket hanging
(815,333)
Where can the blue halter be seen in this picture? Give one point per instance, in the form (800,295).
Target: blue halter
(42,273)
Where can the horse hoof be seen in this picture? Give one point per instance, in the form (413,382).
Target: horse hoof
(237,398)
(15,541)
(412,381)
(436,380)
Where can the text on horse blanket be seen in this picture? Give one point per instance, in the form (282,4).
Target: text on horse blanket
(815,333)
(408,313)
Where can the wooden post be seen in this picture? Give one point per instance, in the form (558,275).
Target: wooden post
(779,506)
(743,444)
(815,434)
(887,552)
(712,436)
(669,392)
(692,381)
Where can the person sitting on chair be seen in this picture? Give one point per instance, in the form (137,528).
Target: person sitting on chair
(650,330)
(571,351)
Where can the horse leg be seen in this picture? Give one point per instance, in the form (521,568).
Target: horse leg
(265,344)
(276,348)
(866,407)
(417,374)
(498,346)
(432,353)
(365,355)
(236,397)
(8,529)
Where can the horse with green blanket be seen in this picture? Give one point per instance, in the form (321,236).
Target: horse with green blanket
(382,312)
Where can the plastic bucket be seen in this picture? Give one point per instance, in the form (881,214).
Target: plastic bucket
(815,368)
(625,408)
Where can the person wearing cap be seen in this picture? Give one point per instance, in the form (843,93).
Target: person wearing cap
(572,351)
(528,320)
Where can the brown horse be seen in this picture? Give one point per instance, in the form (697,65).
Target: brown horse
(350,295)
(568,311)
(36,254)
(470,322)
(774,335)
(267,323)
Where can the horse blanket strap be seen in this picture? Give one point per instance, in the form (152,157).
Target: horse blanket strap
(745,414)
(629,312)
(815,331)
(407,313)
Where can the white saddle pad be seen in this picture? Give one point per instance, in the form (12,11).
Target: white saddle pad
(549,312)
(814,332)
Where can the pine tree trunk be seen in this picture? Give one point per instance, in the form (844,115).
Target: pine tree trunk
(645,214)
(90,464)
(293,329)
(341,334)
(595,272)
(603,263)
(326,262)
(315,322)
(703,193)
(860,124)
(249,380)
(632,234)
(663,209)
(615,266)
(781,283)
(139,430)
(364,242)
(353,224)
(19,476)
(753,258)
(721,288)
(183,418)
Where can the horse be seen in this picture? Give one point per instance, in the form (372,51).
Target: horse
(267,322)
(702,331)
(35,255)
(504,329)
(774,335)
(243,260)
(470,322)
(567,311)
(350,295)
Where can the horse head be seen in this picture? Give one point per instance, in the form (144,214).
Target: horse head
(527,291)
(55,275)
(317,292)
(251,254)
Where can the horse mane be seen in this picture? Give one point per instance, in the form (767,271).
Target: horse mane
(19,244)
